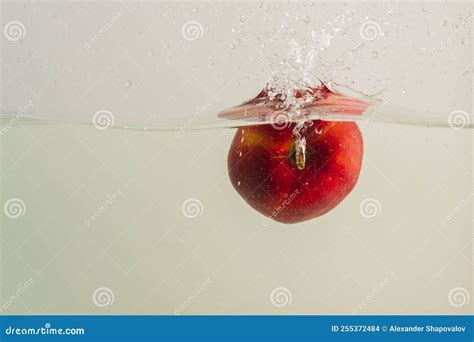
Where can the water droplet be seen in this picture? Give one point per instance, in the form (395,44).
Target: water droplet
(232,46)
(240,153)
(129,84)
(238,183)
(375,54)
(305,18)
(319,129)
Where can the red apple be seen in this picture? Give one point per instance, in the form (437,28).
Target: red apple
(263,168)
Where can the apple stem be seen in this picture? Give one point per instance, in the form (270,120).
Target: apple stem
(300,142)
(300,153)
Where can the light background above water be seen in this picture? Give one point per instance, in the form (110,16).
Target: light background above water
(156,63)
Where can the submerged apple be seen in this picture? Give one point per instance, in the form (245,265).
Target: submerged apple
(295,177)
(288,182)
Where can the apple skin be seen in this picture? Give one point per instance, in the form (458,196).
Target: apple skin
(263,170)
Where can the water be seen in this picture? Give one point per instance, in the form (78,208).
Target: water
(276,102)
(115,188)
(107,208)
